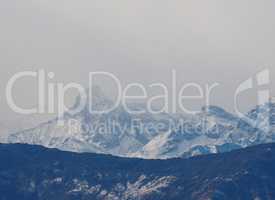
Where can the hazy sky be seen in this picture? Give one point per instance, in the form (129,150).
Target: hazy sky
(205,41)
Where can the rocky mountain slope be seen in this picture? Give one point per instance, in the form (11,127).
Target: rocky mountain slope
(36,173)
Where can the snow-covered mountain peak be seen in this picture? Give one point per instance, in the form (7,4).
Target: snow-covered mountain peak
(121,133)
(96,101)
(218,112)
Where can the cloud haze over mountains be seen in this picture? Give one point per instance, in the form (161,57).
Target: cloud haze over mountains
(210,41)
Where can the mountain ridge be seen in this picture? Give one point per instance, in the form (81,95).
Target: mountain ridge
(34,172)
(214,130)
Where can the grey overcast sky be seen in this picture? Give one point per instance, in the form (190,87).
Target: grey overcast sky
(205,41)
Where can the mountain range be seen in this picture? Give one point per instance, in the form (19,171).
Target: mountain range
(120,133)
